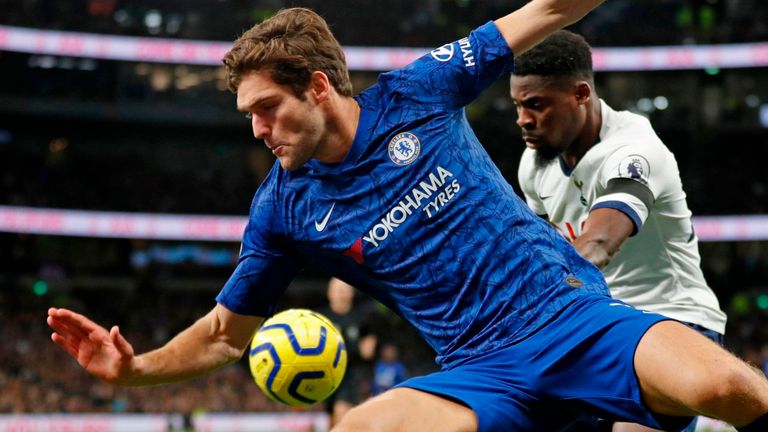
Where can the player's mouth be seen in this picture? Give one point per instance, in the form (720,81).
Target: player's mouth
(532,142)
(277,149)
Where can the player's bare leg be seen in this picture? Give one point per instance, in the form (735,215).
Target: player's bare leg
(683,373)
(408,410)
(631,427)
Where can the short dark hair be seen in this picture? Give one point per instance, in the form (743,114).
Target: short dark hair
(562,54)
(292,44)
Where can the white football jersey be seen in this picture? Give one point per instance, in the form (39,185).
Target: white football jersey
(631,170)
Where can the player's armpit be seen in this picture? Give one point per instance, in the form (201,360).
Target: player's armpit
(604,231)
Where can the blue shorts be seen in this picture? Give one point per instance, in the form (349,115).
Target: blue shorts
(581,361)
(589,423)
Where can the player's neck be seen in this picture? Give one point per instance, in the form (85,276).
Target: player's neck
(589,136)
(342,118)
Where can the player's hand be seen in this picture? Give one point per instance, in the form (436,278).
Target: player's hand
(104,354)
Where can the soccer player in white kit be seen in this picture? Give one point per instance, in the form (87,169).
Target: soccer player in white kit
(607,182)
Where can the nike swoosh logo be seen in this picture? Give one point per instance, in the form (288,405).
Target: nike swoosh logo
(320,227)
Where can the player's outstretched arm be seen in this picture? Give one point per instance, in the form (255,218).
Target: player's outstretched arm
(217,339)
(533,22)
(604,231)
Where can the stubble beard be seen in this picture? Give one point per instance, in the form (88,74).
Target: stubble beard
(545,155)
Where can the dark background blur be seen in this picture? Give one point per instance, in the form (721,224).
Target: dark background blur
(91,134)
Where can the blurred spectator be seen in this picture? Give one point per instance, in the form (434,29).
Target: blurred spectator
(388,371)
(352,320)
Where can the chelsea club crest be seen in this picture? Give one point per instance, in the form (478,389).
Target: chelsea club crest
(404,148)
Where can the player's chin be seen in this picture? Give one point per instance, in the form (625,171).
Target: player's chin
(290,164)
(545,155)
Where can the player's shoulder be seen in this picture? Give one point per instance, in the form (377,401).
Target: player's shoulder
(625,129)
(377,95)
(622,122)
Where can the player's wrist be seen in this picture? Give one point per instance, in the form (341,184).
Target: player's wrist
(133,373)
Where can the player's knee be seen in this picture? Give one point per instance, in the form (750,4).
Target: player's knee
(723,386)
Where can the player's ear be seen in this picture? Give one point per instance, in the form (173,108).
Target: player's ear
(319,86)
(583,92)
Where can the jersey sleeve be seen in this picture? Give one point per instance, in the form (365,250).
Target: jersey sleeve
(632,177)
(527,180)
(454,74)
(265,267)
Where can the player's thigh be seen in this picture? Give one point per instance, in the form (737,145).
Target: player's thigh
(409,410)
(631,427)
(678,368)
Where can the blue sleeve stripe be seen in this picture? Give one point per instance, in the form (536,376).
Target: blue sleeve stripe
(624,208)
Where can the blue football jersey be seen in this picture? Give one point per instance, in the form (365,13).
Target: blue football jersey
(417,216)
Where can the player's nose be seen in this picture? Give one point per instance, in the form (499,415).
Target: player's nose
(524,120)
(261,130)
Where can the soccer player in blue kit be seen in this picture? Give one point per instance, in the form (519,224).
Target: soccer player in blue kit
(391,191)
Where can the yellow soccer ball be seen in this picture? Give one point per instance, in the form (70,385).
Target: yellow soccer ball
(298,357)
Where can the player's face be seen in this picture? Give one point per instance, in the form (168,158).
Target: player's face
(291,127)
(550,112)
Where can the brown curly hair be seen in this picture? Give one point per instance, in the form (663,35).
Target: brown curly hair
(292,44)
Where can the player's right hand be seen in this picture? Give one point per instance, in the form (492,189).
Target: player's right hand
(104,354)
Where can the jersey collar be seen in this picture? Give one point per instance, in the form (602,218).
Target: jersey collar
(367,117)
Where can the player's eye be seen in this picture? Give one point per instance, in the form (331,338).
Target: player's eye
(533,105)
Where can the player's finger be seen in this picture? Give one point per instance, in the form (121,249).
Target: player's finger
(75,319)
(69,339)
(78,338)
(65,317)
(70,348)
(83,327)
(65,328)
(119,341)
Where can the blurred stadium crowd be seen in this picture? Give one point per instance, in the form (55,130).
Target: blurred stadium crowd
(120,136)
(411,23)
(38,377)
